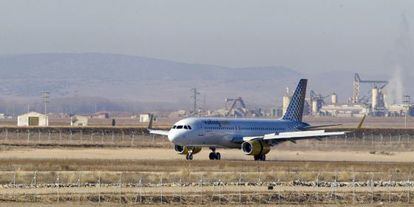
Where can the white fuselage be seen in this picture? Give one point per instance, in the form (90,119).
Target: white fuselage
(225,132)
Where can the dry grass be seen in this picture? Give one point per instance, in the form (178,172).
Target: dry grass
(122,166)
(292,196)
(111,171)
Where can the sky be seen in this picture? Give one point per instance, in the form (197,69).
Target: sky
(308,36)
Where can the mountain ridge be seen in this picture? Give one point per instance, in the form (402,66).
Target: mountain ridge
(137,79)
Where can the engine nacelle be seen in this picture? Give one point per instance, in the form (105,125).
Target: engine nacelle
(255,147)
(183,150)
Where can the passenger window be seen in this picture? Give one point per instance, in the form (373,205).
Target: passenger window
(179,127)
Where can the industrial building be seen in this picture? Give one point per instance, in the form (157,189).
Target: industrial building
(101,115)
(79,120)
(144,117)
(32,119)
(373,103)
(346,110)
(178,114)
(234,107)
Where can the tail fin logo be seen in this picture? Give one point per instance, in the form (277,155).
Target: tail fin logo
(294,111)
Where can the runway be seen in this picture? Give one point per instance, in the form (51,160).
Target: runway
(227,154)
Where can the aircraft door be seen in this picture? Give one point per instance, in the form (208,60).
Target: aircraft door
(200,130)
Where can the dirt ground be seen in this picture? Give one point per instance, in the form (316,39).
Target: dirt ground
(252,205)
(30,167)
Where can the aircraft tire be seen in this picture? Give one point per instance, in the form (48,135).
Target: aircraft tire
(212,156)
(260,157)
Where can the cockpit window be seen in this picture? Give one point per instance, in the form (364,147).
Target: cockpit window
(182,127)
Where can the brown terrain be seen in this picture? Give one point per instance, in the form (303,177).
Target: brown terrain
(61,166)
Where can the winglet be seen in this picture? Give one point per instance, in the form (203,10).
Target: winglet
(361,122)
(150,121)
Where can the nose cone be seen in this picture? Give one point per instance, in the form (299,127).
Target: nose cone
(176,137)
(172,137)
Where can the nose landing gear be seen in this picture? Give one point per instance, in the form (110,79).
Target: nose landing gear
(214,155)
(188,151)
(189,156)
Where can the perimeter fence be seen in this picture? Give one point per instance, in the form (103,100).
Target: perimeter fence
(374,140)
(204,189)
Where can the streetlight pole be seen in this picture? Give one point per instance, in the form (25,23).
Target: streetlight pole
(194,96)
(45,98)
(407,103)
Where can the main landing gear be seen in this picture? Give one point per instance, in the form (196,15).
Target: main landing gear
(214,155)
(261,157)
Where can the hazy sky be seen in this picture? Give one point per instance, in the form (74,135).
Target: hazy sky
(317,35)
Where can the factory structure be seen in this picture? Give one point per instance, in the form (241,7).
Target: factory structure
(233,107)
(369,97)
(374,103)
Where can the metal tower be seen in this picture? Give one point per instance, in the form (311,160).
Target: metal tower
(194,96)
(45,98)
(356,95)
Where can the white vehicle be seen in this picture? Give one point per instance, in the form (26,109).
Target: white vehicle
(254,137)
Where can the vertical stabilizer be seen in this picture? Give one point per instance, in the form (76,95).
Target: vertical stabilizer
(295,109)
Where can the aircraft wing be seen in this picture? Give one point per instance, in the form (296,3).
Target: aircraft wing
(158,132)
(297,135)
(155,131)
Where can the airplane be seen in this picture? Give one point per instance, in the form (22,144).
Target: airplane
(254,137)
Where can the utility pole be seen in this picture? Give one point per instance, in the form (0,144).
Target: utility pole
(195,93)
(45,98)
(204,103)
(407,102)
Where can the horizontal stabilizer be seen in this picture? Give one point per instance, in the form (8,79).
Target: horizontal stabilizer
(321,126)
(159,132)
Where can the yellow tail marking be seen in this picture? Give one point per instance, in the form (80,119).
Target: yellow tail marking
(361,122)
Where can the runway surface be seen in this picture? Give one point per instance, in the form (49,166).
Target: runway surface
(170,154)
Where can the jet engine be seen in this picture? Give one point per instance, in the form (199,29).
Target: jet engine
(183,150)
(255,147)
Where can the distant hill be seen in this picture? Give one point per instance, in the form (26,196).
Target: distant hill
(84,82)
(125,78)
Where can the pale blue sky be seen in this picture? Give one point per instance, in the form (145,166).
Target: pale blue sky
(317,35)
